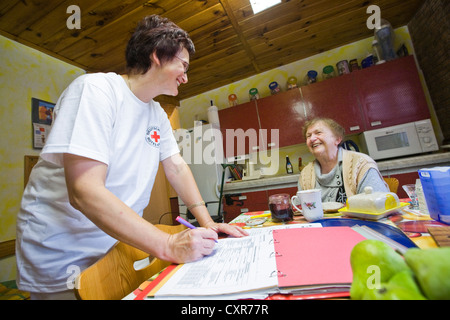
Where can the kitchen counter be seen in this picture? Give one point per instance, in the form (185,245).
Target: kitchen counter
(386,167)
(265,183)
(410,164)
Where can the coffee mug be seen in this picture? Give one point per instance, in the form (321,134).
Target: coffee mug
(311,202)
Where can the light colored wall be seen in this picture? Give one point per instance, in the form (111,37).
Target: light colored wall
(25,73)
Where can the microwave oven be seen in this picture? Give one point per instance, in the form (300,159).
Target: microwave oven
(400,140)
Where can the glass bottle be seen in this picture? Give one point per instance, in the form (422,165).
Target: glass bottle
(289,168)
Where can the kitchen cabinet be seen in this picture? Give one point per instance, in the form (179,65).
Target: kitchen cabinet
(242,125)
(285,113)
(379,96)
(235,204)
(291,191)
(335,98)
(391,93)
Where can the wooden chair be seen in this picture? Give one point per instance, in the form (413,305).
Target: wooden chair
(114,276)
(392,183)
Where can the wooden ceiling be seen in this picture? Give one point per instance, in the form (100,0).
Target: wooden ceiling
(231,42)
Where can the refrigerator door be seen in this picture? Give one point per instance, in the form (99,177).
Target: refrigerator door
(198,147)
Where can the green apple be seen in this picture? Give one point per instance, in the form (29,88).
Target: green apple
(373,262)
(431,268)
(401,286)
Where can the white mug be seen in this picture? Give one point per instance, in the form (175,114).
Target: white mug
(311,202)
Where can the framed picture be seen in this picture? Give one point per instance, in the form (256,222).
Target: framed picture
(41,119)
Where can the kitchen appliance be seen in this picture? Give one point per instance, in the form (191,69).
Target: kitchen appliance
(201,148)
(400,140)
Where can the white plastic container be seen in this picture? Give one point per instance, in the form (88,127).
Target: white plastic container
(213,114)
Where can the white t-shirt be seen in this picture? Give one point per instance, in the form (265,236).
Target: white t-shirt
(96,117)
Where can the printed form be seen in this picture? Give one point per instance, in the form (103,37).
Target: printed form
(236,265)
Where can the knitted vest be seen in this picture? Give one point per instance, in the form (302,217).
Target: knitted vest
(354,166)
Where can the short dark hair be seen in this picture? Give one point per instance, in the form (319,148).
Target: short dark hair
(155,33)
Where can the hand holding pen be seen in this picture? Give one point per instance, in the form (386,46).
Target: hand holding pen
(187,224)
(191,245)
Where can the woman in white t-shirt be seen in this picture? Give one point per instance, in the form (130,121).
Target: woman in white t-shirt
(96,171)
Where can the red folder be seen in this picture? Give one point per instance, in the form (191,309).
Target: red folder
(315,258)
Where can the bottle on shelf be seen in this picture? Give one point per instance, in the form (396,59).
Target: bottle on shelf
(300,164)
(289,168)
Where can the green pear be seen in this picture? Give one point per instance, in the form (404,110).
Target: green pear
(373,262)
(431,268)
(401,286)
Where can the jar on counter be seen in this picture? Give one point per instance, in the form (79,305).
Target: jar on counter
(232,100)
(311,77)
(253,93)
(274,87)
(291,83)
(367,61)
(342,67)
(328,72)
(354,65)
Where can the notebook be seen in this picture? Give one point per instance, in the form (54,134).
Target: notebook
(314,259)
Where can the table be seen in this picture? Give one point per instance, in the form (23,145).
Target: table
(411,222)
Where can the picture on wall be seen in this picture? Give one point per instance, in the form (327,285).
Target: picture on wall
(41,118)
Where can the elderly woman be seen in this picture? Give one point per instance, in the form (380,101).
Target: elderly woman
(339,173)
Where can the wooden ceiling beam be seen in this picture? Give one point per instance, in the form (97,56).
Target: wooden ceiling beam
(239,33)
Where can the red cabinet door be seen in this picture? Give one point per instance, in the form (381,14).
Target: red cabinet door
(239,126)
(335,98)
(283,112)
(292,191)
(391,93)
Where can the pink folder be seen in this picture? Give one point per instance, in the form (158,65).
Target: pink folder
(314,256)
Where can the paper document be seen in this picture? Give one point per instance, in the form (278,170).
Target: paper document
(236,265)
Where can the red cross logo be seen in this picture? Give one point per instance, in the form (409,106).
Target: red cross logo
(155,136)
(152,136)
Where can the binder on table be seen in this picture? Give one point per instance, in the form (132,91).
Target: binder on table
(305,261)
(314,259)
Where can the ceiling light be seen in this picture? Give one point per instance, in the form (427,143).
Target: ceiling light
(260,5)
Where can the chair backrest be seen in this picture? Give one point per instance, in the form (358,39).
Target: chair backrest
(392,183)
(114,276)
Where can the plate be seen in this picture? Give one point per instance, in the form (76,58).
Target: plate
(255,222)
(370,215)
(391,232)
(332,207)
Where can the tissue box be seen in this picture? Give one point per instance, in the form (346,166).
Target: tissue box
(436,188)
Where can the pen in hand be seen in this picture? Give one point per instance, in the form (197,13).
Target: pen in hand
(187,224)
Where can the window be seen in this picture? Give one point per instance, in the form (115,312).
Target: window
(260,5)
